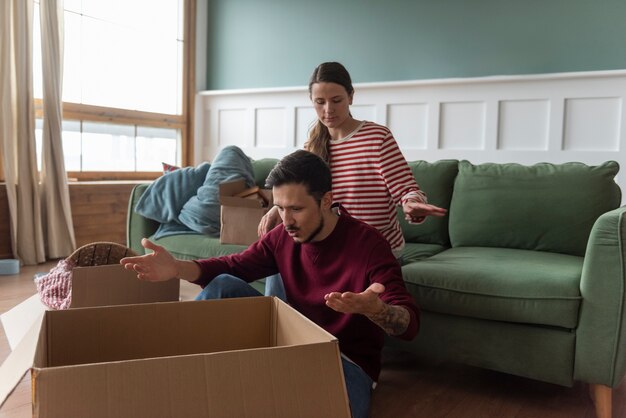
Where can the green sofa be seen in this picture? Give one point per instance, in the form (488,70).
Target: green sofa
(525,275)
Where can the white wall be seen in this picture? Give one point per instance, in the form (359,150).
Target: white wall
(525,119)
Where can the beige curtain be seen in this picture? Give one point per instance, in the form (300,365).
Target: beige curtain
(17,133)
(58,223)
(7,121)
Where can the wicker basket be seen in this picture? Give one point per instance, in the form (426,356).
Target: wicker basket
(99,254)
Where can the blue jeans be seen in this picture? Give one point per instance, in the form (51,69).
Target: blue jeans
(274,287)
(358,383)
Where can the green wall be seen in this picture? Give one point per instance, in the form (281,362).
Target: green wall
(273,43)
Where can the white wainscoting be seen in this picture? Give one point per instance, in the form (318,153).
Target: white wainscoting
(524,119)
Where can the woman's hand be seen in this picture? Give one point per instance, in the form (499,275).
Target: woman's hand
(416,212)
(269,221)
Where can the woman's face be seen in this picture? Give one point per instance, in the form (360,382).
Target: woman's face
(332,104)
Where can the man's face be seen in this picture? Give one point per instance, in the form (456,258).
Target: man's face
(300,212)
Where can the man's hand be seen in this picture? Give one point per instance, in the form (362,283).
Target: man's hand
(391,318)
(416,212)
(157,266)
(366,302)
(268,221)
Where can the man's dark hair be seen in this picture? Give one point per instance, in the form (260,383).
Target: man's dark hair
(302,167)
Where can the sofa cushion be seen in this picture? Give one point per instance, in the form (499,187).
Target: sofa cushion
(192,247)
(415,251)
(437,181)
(544,207)
(499,284)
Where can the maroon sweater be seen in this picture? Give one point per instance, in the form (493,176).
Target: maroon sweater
(351,258)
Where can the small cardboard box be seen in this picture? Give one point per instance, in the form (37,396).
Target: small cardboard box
(241,211)
(92,286)
(114,285)
(244,357)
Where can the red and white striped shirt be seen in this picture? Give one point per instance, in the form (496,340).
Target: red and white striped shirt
(371,178)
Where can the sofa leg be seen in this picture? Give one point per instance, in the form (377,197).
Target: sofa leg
(602,396)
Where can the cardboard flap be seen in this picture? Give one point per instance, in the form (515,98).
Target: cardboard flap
(18,320)
(19,361)
(248,192)
(235,193)
(242,202)
(231,188)
(292,327)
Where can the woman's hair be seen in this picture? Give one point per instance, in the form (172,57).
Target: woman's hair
(326,72)
(302,167)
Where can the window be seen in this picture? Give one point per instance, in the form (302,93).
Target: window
(128,65)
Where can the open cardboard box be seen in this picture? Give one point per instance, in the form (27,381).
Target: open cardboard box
(241,211)
(244,357)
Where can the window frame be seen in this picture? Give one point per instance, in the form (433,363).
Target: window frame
(184,122)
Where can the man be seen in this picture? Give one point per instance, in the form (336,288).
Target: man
(337,271)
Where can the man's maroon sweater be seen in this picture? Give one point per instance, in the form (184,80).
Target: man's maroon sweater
(351,258)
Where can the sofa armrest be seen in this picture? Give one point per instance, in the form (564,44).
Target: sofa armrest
(138,227)
(601,333)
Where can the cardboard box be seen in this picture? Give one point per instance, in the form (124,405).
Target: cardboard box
(244,357)
(241,211)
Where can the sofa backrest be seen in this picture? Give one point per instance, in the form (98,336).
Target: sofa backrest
(436,179)
(545,207)
(262,169)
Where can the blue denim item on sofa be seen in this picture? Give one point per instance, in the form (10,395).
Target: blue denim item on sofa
(202,212)
(186,201)
(165,197)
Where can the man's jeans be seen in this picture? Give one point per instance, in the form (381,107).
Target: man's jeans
(358,383)
(274,287)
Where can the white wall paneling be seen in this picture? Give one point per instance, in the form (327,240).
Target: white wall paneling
(525,119)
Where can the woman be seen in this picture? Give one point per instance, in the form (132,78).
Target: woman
(370,175)
(370,178)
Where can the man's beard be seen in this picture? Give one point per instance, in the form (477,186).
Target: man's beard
(313,234)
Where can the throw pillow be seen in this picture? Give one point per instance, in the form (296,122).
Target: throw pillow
(168,168)
(436,179)
(541,207)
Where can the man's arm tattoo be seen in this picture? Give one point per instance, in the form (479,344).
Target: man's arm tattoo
(393,319)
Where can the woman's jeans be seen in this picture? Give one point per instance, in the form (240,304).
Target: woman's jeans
(358,383)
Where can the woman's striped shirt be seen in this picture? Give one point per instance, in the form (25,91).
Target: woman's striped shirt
(371,178)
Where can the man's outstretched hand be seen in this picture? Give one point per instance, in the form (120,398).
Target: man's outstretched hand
(367,302)
(393,319)
(157,266)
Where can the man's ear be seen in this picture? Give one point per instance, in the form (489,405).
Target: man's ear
(351,97)
(327,200)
